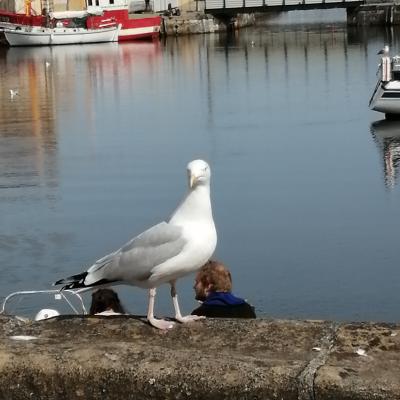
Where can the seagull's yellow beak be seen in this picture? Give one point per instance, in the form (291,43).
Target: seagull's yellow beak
(192,180)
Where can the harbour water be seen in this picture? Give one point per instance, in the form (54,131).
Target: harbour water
(93,150)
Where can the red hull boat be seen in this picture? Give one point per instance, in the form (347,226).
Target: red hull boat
(133,26)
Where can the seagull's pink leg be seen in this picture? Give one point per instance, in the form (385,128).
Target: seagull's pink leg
(158,323)
(178,315)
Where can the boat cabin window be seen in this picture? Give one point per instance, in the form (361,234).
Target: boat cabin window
(396,75)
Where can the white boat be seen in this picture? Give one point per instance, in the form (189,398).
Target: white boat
(97,14)
(42,36)
(61,302)
(386,95)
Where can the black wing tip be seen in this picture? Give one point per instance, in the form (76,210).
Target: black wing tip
(77,282)
(72,282)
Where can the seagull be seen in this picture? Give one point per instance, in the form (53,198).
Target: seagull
(13,92)
(47,64)
(163,253)
(384,51)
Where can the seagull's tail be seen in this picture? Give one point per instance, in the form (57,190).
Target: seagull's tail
(78,282)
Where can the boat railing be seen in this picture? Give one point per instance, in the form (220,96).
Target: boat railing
(378,84)
(58,295)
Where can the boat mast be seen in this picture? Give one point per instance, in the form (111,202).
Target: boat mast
(46,7)
(28,8)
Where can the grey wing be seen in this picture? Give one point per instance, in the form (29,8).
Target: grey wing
(135,260)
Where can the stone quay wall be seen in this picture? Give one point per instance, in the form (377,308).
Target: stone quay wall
(374,13)
(191,22)
(122,357)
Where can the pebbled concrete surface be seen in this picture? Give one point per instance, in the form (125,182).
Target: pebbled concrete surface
(124,358)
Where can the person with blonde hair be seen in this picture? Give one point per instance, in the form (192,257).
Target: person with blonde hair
(213,287)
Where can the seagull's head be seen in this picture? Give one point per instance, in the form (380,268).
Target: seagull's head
(385,50)
(199,173)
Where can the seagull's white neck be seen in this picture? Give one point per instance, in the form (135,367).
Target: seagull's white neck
(195,206)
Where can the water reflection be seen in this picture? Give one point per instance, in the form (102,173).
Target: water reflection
(92,150)
(63,94)
(387,136)
(48,85)
(27,129)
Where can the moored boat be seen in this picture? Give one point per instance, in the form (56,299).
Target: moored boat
(386,95)
(133,26)
(26,304)
(116,12)
(41,36)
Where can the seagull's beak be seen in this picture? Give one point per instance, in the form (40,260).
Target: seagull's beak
(192,180)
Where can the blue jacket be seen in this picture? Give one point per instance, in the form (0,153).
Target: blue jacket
(222,299)
(225,305)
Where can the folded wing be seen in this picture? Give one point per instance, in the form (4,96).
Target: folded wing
(135,261)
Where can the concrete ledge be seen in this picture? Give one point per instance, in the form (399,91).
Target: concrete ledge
(124,358)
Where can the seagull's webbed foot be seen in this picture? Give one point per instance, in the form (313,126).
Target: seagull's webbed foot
(188,318)
(178,316)
(161,323)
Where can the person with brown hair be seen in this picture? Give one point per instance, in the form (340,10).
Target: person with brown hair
(106,302)
(213,287)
